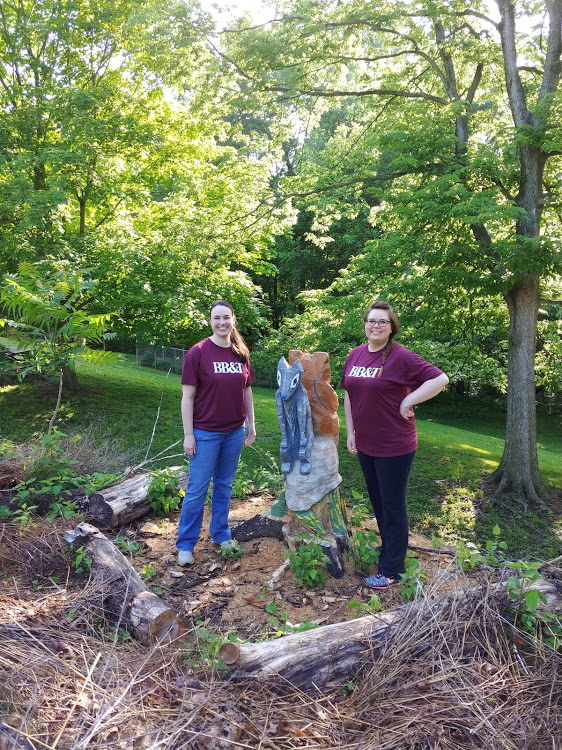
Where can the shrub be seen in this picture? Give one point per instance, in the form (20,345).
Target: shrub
(147,359)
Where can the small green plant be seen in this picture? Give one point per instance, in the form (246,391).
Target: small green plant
(147,572)
(308,562)
(363,550)
(164,494)
(61,509)
(126,545)
(22,515)
(544,625)
(202,652)
(279,619)
(495,548)
(365,608)
(468,555)
(359,510)
(120,635)
(231,550)
(243,483)
(347,689)
(82,562)
(411,579)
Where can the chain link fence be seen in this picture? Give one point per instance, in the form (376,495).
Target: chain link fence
(160,358)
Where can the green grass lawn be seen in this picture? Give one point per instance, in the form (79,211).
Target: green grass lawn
(118,405)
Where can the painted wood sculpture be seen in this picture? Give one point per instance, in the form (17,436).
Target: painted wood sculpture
(307,414)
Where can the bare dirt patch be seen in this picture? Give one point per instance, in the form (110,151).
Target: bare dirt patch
(230,595)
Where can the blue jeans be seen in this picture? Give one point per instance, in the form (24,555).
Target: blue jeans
(387,479)
(217,455)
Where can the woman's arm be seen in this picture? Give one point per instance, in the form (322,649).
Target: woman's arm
(351,447)
(249,399)
(188,394)
(426,390)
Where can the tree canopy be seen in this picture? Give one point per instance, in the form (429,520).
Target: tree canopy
(300,167)
(452,141)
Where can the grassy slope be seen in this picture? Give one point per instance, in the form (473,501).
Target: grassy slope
(457,444)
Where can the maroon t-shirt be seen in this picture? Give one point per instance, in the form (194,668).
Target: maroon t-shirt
(221,380)
(380,430)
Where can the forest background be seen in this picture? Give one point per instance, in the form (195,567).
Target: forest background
(299,168)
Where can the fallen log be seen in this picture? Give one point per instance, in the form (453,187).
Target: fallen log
(125,502)
(147,617)
(328,655)
(324,656)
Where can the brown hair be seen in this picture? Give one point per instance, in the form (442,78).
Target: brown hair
(237,342)
(394,327)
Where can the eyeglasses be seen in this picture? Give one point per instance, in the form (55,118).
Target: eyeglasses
(380,323)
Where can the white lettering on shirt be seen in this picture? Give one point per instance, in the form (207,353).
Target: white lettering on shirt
(364,372)
(227,367)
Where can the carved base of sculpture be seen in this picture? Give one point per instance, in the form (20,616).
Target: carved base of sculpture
(314,504)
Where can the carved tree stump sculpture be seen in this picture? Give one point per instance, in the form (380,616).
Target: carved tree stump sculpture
(307,414)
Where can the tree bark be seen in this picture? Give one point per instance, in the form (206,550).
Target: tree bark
(69,379)
(124,502)
(147,617)
(518,472)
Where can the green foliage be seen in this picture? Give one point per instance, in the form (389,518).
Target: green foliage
(544,625)
(62,509)
(243,483)
(308,562)
(279,619)
(469,555)
(120,635)
(51,319)
(82,562)
(22,515)
(201,652)
(51,472)
(365,608)
(126,545)
(147,571)
(411,586)
(231,549)
(163,493)
(363,550)
(265,477)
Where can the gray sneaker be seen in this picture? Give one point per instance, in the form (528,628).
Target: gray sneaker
(185,557)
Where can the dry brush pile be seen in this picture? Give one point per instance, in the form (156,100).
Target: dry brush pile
(446,677)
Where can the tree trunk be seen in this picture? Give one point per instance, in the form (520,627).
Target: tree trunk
(518,472)
(69,379)
(147,617)
(123,503)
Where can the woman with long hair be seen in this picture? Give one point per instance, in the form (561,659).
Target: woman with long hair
(218,418)
(383,381)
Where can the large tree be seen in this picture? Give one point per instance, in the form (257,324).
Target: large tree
(116,154)
(456,139)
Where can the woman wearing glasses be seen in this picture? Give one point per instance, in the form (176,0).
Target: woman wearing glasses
(383,381)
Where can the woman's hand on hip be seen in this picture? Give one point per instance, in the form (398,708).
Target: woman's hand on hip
(351,447)
(251,436)
(189,445)
(406,411)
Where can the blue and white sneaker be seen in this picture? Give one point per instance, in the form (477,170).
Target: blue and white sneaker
(378,581)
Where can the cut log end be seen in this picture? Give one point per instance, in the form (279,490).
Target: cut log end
(229,653)
(153,620)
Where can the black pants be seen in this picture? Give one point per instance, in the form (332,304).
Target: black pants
(387,479)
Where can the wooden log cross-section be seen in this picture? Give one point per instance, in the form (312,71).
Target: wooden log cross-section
(147,617)
(125,502)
